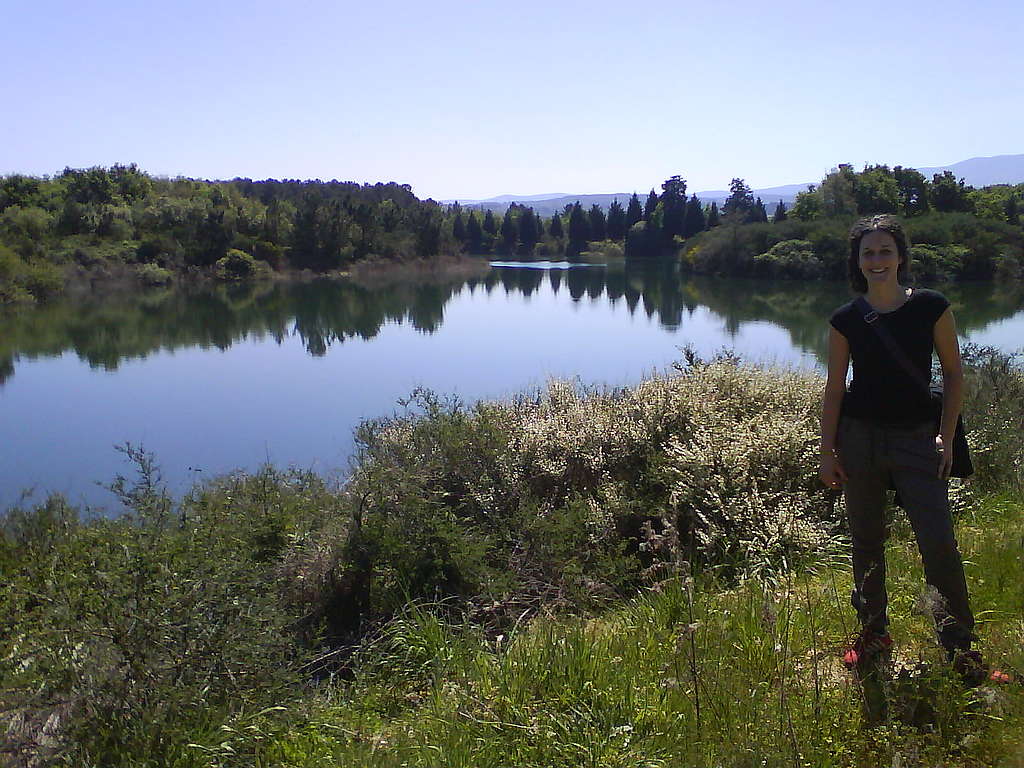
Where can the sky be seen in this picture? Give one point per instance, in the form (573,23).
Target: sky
(467,100)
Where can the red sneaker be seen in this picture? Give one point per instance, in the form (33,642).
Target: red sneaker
(866,645)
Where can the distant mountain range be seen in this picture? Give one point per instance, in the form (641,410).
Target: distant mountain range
(978,172)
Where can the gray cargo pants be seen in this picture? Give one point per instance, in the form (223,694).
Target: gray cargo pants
(872,455)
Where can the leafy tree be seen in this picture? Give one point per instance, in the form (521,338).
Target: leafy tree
(131,184)
(876,191)
(949,194)
(617,221)
(912,190)
(808,205)
(18,190)
(651,205)
(694,222)
(780,212)
(91,185)
(597,222)
(634,212)
(839,192)
(740,200)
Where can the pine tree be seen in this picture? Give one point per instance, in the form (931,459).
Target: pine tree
(598,223)
(634,212)
(555,229)
(579,229)
(757,213)
(490,225)
(651,205)
(673,202)
(459,228)
(509,231)
(528,235)
(780,212)
(617,221)
(740,199)
(713,219)
(694,222)
(474,234)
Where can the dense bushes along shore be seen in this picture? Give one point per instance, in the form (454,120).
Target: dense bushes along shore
(565,501)
(120,221)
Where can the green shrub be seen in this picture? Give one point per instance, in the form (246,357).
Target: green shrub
(238,265)
(124,640)
(938,263)
(151,274)
(790,258)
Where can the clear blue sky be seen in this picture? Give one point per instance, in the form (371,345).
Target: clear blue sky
(473,99)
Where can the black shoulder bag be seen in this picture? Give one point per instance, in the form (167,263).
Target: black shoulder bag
(962,466)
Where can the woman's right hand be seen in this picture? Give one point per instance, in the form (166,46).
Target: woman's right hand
(831,471)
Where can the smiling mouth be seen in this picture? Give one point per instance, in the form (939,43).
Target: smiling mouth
(878,271)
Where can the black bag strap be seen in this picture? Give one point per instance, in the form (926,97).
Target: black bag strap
(871,318)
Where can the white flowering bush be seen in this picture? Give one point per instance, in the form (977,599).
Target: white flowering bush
(560,493)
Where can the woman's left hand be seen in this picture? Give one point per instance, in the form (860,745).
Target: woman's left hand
(945,453)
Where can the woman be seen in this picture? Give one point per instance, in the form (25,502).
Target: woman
(881,434)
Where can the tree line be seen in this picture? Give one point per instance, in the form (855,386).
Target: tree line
(101,219)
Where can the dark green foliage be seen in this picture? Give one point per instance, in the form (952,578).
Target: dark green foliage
(556,230)
(459,227)
(509,232)
(634,211)
(490,223)
(877,191)
(474,234)
(616,221)
(597,223)
(529,230)
(949,194)
(912,188)
(127,215)
(579,229)
(780,212)
(643,241)
(694,223)
(713,216)
(139,635)
(651,205)
(740,200)
(1011,210)
(757,213)
(673,203)
(19,190)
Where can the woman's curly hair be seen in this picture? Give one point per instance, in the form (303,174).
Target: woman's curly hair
(883,223)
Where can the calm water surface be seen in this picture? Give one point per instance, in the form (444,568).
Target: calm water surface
(224,378)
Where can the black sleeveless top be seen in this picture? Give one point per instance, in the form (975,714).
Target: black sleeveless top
(881,391)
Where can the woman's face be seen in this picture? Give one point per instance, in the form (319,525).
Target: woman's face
(879,257)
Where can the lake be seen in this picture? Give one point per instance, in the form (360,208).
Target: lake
(224,377)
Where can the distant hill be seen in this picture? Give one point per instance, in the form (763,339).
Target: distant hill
(978,172)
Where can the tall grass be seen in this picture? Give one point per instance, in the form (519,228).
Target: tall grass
(647,576)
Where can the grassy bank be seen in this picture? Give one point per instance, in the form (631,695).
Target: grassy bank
(571,577)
